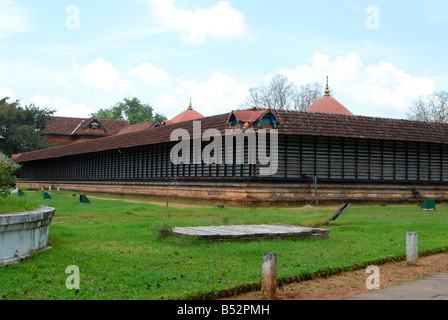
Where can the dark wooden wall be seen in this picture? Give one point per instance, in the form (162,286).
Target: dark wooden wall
(300,159)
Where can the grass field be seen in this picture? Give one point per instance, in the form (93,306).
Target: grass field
(16,204)
(122,255)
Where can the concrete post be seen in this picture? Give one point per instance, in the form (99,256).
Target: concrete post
(412,248)
(269,283)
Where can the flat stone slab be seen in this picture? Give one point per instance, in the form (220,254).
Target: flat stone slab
(430,288)
(251,232)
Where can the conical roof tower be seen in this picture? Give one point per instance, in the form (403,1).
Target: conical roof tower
(327,104)
(187,115)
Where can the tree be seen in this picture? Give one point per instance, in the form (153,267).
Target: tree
(8,178)
(131,110)
(307,95)
(282,94)
(22,127)
(430,108)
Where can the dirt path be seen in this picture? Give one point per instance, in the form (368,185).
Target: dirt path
(162,204)
(352,283)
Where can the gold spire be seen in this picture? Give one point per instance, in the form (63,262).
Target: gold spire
(191,106)
(327,89)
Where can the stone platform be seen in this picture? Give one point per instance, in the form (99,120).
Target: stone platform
(249,232)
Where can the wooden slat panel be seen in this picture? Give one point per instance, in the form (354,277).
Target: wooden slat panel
(350,159)
(363,160)
(424,173)
(322,158)
(300,158)
(400,160)
(388,161)
(336,158)
(293,153)
(308,153)
(445,163)
(435,163)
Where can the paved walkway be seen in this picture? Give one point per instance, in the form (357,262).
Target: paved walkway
(431,288)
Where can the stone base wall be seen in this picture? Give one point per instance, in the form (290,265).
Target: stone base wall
(24,233)
(259,193)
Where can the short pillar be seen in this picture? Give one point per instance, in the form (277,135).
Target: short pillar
(412,248)
(269,283)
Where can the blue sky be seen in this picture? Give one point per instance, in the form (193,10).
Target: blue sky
(78,56)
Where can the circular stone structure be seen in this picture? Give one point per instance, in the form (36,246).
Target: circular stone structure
(24,233)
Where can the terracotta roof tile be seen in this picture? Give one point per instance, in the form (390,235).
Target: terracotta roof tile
(187,115)
(138,127)
(328,104)
(69,126)
(248,115)
(291,122)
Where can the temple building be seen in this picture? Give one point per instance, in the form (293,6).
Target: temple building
(354,158)
(187,115)
(64,130)
(327,104)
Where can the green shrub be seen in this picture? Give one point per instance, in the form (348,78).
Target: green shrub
(8,168)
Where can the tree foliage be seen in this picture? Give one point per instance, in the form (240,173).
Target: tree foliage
(282,94)
(430,108)
(8,178)
(22,126)
(131,110)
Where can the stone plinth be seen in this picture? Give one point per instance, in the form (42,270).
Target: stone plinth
(24,233)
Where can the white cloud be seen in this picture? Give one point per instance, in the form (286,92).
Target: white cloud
(59,78)
(375,90)
(103,75)
(221,22)
(7,92)
(220,94)
(63,107)
(13,19)
(168,105)
(151,75)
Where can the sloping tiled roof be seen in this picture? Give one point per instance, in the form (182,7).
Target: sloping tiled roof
(70,126)
(133,139)
(113,126)
(187,115)
(336,125)
(138,127)
(328,104)
(249,116)
(291,122)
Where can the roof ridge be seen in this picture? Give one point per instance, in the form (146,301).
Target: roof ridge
(79,125)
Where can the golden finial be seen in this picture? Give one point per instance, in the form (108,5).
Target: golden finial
(191,106)
(327,89)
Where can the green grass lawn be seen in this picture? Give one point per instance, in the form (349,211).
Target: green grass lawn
(17,204)
(122,255)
